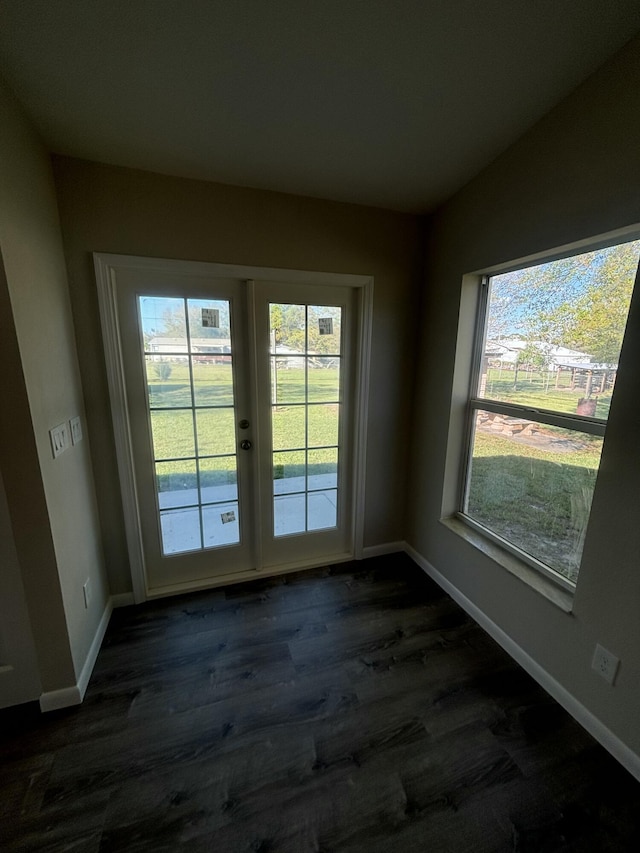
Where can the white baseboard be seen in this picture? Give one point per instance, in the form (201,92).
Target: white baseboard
(620,751)
(122,599)
(381,550)
(53,700)
(92,654)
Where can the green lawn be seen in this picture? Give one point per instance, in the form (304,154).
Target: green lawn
(531,390)
(537,492)
(213,384)
(537,498)
(294,426)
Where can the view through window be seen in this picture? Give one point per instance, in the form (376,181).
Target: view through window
(306,358)
(545,371)
(188,357)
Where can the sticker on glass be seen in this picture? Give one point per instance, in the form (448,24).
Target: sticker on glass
(210,318)
(228,516)
(325,325)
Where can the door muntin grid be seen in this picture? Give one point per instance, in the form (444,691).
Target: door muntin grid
(189,370)
(305,351)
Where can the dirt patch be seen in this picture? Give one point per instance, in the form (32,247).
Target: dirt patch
(529,433)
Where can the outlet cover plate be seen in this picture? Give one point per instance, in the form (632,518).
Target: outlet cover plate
(605,663)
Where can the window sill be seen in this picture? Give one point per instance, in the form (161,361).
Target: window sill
(562,598)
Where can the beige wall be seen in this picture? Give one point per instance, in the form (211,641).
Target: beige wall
(109,209)
(51,502)
(574,175)
(19,671)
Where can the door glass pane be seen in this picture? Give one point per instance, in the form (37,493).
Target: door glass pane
(322,509)
(324,380)
(172,434)
(218,479)
(288,380)
(177,484)
(289,472)
(220,525)
(209,326)
(324,329)
(212,380)
(216,431)
(532,485)
(288,425)
(322,469)
(305,413)
(180,530)
(163,324)
(323,425)
(190,381)
(287,329)
(168,381)
(289,514)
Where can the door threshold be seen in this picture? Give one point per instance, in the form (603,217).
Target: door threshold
(246,576)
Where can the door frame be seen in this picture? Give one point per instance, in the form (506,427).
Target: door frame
(106,267)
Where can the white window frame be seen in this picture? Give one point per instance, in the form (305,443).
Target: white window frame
(578,423)
(466,402)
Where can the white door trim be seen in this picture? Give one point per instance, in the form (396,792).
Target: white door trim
(106,266)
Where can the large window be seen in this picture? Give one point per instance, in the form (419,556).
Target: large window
(547,353)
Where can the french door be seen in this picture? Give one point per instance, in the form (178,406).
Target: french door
(239,398)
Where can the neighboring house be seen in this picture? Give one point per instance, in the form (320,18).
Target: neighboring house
(204,346)
(508,350)
(288,358)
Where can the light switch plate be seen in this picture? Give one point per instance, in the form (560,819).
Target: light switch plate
(59,436)
(76,429)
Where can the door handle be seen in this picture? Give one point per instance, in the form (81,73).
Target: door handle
(245,444)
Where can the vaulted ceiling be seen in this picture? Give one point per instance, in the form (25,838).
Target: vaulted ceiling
(393,103)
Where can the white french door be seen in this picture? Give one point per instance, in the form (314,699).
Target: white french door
(304,342)
(240,420)
(187,382)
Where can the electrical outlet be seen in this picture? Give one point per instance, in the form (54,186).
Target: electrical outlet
(59,436)
(605,663)
(86,589)
(76,429)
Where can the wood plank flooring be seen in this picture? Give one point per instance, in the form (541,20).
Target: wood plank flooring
(352,708)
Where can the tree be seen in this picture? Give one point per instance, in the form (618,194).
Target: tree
(580,302)
(288,326)
(520,297)
(595,321)
(299,331)
(535,355)
(162,369)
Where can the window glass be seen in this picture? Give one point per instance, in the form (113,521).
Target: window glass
(305,347)
(532,484)
(554,332)
(189,376)
(545,375)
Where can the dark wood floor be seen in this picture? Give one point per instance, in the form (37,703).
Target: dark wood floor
(354,708)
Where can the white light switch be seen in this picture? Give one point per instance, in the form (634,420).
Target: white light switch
(76,429)
(59,436)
